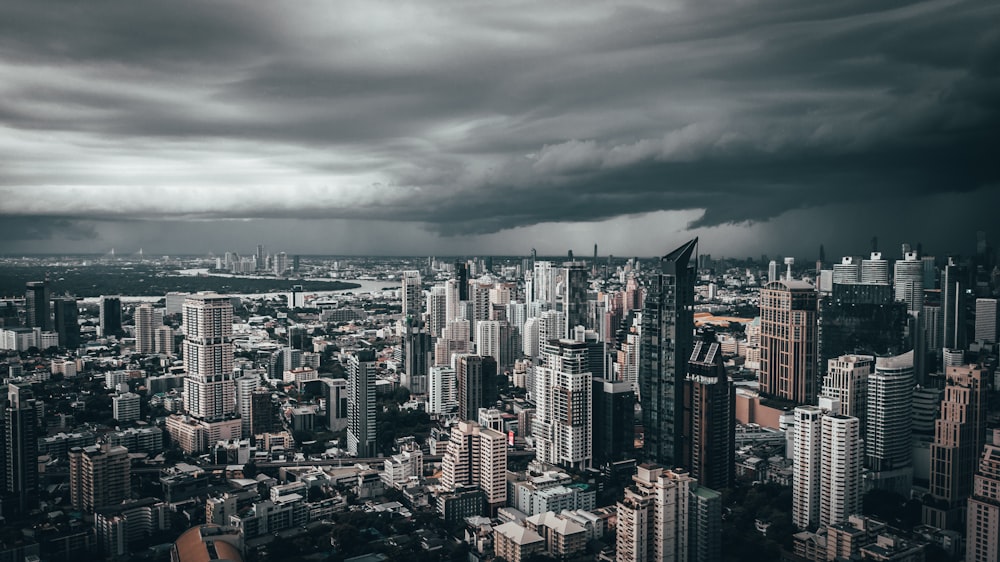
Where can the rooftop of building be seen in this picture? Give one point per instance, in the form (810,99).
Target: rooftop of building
(517,534)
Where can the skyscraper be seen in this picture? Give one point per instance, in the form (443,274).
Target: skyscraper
(908,282)
(67,323)
(209,391)
(666,515)
(36,305)
(99,476)
(437,310)
(667,333)
(846,382)
(418,351)
(983,517)
(573,296)
(840,471)
(412,293)
(788,341)
(807,461)
(958,441)
(888,437)
(986,320)
(361,429)
(477,456)
(562,425)
(111,316)
(261,412)
(954,282)
(875,269)
(614,409)
(709,418)
(147,320)
(860,318)
(847,271)
(20,444)
(462,279)
(477,384)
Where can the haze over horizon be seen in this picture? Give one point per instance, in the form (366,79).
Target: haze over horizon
(457,129)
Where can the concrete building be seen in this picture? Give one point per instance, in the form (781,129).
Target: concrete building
(476,456)
(516,543)
(889,433)
(336,403)
(665,515)
(147,320)
(477,384)
(986,320)
(19,441)
(125,407)
(562,427)
(840,472)
(908,282)
(846,381)
(983,518)
(788,341)
(209,390)
(99,476)
(709,418)
(163,340)
(807,459)
(875,269)
(958,441)
(443,395)
(361,428)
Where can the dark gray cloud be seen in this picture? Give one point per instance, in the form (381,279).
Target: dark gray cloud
(477,119)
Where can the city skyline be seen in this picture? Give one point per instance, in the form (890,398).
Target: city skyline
(370,129)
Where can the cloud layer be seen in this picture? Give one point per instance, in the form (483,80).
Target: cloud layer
(472,118)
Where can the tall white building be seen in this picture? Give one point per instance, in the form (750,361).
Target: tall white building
(361,437)
(840,474)
(443,390)
(245,385)
(209,392)
(544,283)
(147,320)
(163,337)
(412,293)
(875,269)
(562,426)
(807,459)
(551,326)
(908,282)
(846,381)
(986,320)
(847,271)
(451,300)
(437,310)
(888,433)
(529,337)
(494,338)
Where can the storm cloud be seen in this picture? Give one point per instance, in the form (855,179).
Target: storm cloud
(473,119)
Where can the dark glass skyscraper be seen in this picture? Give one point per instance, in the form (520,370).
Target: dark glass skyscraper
(67,323)
(709,418)
(614,406)
(664,349)
(860,318)
(462,276)
(20,447)
(36,304)
(477,385)
(111,316)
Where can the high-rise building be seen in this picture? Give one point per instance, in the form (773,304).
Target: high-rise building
(125,407)
(840,470)
(147,320)
(863,319)
(788,343)
(847,271)
(888,431)
(908,282)
(983,518)
(261,412)
(986,320)
(437,310)
(99,476)
(67,323)
(562,426)
(846,381)
(496,339)
(418,351)
(476,456)
(336,403)
(111,316)
(36,305)
(875,269)
(209,391)
(280,263)
(954,282)
(614,427)
(163,340)
(412,293)
(666,339)
(573,296)
(361,429)
(772,271)
(958,441)
(245,387)
(477,384)
(462,279)
(20,446)
(665,515)
(807,462)
(260,256)
(544,283)
(443,391)
(709,418)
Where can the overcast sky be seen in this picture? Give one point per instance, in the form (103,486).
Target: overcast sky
(494,127)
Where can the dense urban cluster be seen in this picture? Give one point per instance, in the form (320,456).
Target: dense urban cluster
(520,409)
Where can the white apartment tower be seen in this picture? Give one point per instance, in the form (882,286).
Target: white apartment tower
(888,432)
(806,463)
(840,475)
(908,282)
(209,392)
(563,397)
(875,269)
(147,320)
(846,381)
(476,456)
